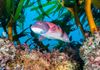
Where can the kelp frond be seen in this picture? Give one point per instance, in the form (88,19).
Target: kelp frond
(10,28)
(90,16)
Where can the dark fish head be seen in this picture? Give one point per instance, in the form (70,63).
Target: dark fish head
(40,27)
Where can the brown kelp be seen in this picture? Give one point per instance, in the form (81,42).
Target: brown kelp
(86,6)
(90,16)
(52,10)
(14,18)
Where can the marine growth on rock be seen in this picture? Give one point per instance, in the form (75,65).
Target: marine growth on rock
(17,58)
(90,52)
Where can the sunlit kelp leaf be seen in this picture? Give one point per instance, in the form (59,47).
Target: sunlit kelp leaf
(26,3)
(29,4)
(19,9)
(41,16)
(57,9)
(44,5)
(21,21)
(66,15)
(41,8)
(49,11)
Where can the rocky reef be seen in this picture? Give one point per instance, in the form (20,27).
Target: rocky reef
(21,58)
(90,52)
(7,52)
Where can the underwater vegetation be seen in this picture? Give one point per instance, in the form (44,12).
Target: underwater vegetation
(53,22)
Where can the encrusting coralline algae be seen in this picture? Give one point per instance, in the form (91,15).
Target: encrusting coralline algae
(90,52)
(7,52)
(15,58)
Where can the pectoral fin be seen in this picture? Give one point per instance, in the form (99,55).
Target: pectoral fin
(41,38)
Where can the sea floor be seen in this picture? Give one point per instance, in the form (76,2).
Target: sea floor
(21,58)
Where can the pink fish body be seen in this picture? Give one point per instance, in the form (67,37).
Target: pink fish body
(49,30)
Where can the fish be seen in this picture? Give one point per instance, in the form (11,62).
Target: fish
(49,30)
